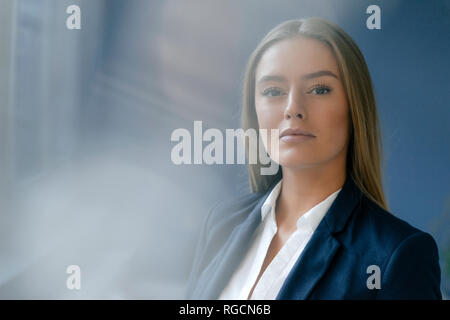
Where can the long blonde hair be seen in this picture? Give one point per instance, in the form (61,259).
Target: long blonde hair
(364,152)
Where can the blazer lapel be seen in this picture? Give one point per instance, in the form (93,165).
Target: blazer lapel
(219,271)
(310,267)
(321,248)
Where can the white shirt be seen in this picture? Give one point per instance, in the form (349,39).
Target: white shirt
(271,281)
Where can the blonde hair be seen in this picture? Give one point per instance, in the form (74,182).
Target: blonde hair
(364,152)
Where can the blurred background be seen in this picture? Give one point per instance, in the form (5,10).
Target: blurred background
(86,117)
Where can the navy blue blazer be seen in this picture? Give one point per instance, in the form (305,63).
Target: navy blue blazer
(354,234)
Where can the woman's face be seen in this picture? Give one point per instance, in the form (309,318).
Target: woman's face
(301,76)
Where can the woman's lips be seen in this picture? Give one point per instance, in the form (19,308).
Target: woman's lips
(295,138)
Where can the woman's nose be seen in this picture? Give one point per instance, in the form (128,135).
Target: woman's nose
(295,106)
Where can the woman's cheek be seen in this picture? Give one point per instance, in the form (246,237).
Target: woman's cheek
(267,119)
(337,135)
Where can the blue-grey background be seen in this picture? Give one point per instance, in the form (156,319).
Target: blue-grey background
(86,117)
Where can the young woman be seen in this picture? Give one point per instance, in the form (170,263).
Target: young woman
(320,228)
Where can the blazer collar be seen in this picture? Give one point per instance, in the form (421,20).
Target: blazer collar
(342,207)
(311,264)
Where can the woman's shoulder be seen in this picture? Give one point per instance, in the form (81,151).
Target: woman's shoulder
(223,216)
(404,253)
(234,209)
(382,231)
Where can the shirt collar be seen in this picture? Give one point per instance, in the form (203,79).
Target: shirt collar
(310,219)
(271,200)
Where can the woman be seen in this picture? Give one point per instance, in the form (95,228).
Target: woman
(320,228)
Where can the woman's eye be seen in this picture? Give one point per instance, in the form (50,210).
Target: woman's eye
(321,90)
(272,92)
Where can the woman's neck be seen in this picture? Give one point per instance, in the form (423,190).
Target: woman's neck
(302,189)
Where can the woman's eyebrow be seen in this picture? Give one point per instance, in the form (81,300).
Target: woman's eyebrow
(312,75)
(268,78)
(320,74)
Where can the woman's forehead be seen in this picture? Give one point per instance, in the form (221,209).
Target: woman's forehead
(296,57)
